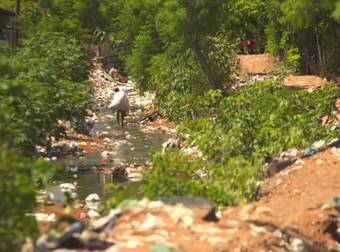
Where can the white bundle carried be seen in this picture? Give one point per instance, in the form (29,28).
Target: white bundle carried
(120,102)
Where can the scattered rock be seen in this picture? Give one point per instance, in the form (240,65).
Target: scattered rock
(150,223)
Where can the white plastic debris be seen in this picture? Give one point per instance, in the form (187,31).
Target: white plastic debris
(319,145)
(44,217)
(92,201)
(93,213)
(67,187)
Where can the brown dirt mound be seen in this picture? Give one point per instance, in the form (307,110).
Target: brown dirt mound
(256,64)
(305,81)
(291,208)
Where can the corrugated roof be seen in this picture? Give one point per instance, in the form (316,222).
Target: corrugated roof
(6,12)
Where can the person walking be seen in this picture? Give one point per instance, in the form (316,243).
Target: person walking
(120,103)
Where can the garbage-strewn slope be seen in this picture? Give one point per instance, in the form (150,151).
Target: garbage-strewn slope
(298,210)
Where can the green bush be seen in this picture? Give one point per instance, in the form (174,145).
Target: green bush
(262,120)
(17,198)
(176,174)
(294,59)
(178,83)
(51,56)
(42,83)
(182,90)
(139,59)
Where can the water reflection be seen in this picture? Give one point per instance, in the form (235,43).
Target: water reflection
(134,150)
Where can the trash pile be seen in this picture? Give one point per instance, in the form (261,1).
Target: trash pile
(249,80)
(105,83)
(173,225)
(294,156)
(181,142)
(60,149)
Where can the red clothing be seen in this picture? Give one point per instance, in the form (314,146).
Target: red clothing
(250,43)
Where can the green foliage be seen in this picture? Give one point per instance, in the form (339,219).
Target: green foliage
(76,17)
(308,26)
(139,60)
(262,121)
(17,190)
(248,128)
(175,174)
(45,84)
(73,17)
(178,83)
(336,13)
(30,15)
(247,19)
(42,83)
(57,55)
(294,59)
(121,192)
(182,88)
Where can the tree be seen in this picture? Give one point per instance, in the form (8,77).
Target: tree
(309,27)
(44,82)
(190,23)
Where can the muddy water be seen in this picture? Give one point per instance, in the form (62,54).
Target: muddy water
(134,149)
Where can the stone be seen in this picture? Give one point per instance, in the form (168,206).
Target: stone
(106,154)
(100,223)
(92,198)
(155,204)
(291,153)
(28,246)
(297,245)
(258,229)
(299,162)
(150,223)
(277,234)
(200,207)
(52,217)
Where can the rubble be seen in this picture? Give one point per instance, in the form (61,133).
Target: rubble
(172,224)
(62,149)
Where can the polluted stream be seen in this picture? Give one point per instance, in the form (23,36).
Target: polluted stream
(130,147)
